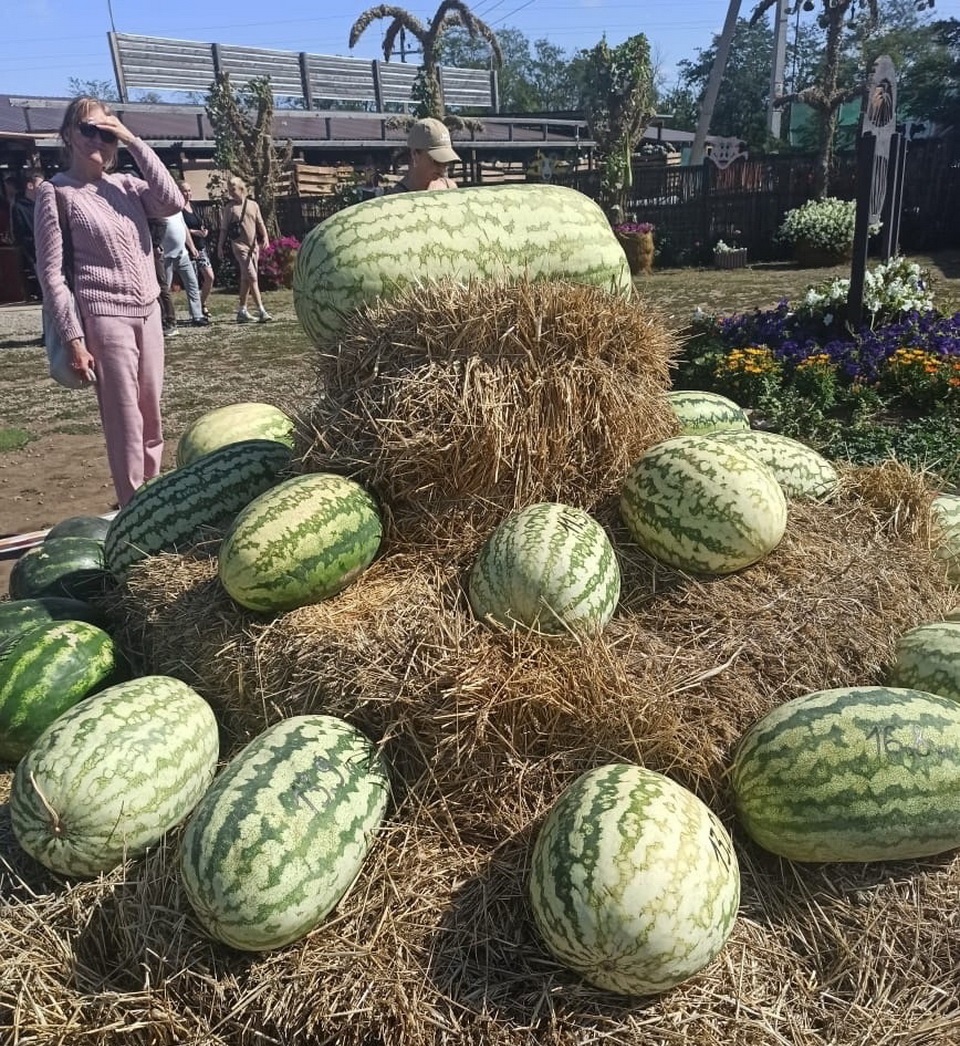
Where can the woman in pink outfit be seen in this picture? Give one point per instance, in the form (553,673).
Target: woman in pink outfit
(118,336)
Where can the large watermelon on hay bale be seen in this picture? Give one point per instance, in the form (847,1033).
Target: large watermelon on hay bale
(373,250)
(457,403)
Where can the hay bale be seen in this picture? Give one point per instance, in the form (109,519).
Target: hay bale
(456,403)
(435,945)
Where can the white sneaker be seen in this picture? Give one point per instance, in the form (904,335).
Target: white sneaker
(243,316)
(265,316)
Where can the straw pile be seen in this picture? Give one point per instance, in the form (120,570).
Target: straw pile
(456,403)
(434,944)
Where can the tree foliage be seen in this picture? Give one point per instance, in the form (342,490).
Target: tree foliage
(242,121)
(618,101)
(532,78)
(427,91)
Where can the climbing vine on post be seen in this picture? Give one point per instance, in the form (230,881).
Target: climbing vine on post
(618,95)
(242,122)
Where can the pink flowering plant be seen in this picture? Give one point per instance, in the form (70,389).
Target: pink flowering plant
(633,228)
(277,260)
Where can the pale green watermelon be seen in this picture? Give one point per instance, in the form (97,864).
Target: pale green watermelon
(237,421)
(283,832)
(548,567)
(107,778)
(700,413)
(704,507)
(800,470)
(508,232)
(928,658)
(634,882)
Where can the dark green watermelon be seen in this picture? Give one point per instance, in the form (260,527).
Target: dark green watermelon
(70,567)
(19,615)
(80,527)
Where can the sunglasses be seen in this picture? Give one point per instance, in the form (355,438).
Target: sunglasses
(90,130)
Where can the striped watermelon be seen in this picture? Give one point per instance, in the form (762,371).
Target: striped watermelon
(549,567)
(170,512)
(112,774)
(858,774)
(928,658)
(95,527)
(20,615)
(300,543)
(704,507)
(704,412)
(68,567)
(634,881)
(283,832)
(45,671)
(946,513)
(800,470)
(230,424)
(375,248)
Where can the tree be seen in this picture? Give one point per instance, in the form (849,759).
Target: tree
(427,92)
(741,106)
(617,95)
(827,93)
(105,90)
(932,90)
(243,142)
(537,80)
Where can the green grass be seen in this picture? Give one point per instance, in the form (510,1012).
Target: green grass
(14,439)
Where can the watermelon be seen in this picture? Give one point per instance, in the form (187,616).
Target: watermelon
(230,424)
(946,513)
(704,412)
(549,567)
(703,507)
(283,832)
(372,250)
(67,567)
(95,527)
(20,615)
(634,882)
(170,512)
(852,774)
(928,658)
(300,543)
(800,470)
(107,778)
(45,671)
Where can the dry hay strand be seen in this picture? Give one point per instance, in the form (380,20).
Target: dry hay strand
(434,944)
(456,403)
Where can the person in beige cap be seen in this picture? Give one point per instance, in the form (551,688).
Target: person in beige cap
(431,152)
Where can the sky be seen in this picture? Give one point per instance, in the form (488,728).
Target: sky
(46,42)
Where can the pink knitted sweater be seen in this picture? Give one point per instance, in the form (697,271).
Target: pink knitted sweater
(114,273)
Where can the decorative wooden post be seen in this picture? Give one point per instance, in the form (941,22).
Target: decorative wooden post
(877,125)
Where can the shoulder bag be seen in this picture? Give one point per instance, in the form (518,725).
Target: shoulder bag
(59,356)
(235,228)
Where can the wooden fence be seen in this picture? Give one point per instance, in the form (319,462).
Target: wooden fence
(693,207)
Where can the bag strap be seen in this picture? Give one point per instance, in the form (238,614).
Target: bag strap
(67,238)
(243,209)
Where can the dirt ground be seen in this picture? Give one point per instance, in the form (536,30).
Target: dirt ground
(54,476)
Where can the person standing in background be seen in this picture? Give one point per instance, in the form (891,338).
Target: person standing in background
(431,153)
(242,224)
(117,335)
(23,231)
(178,255)
(198,232)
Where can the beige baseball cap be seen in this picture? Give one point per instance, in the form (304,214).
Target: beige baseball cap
(433,138)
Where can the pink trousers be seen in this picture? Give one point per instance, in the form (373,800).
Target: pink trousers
(128,353)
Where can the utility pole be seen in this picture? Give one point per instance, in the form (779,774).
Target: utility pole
(713,84)
(778,71)
(404,50)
